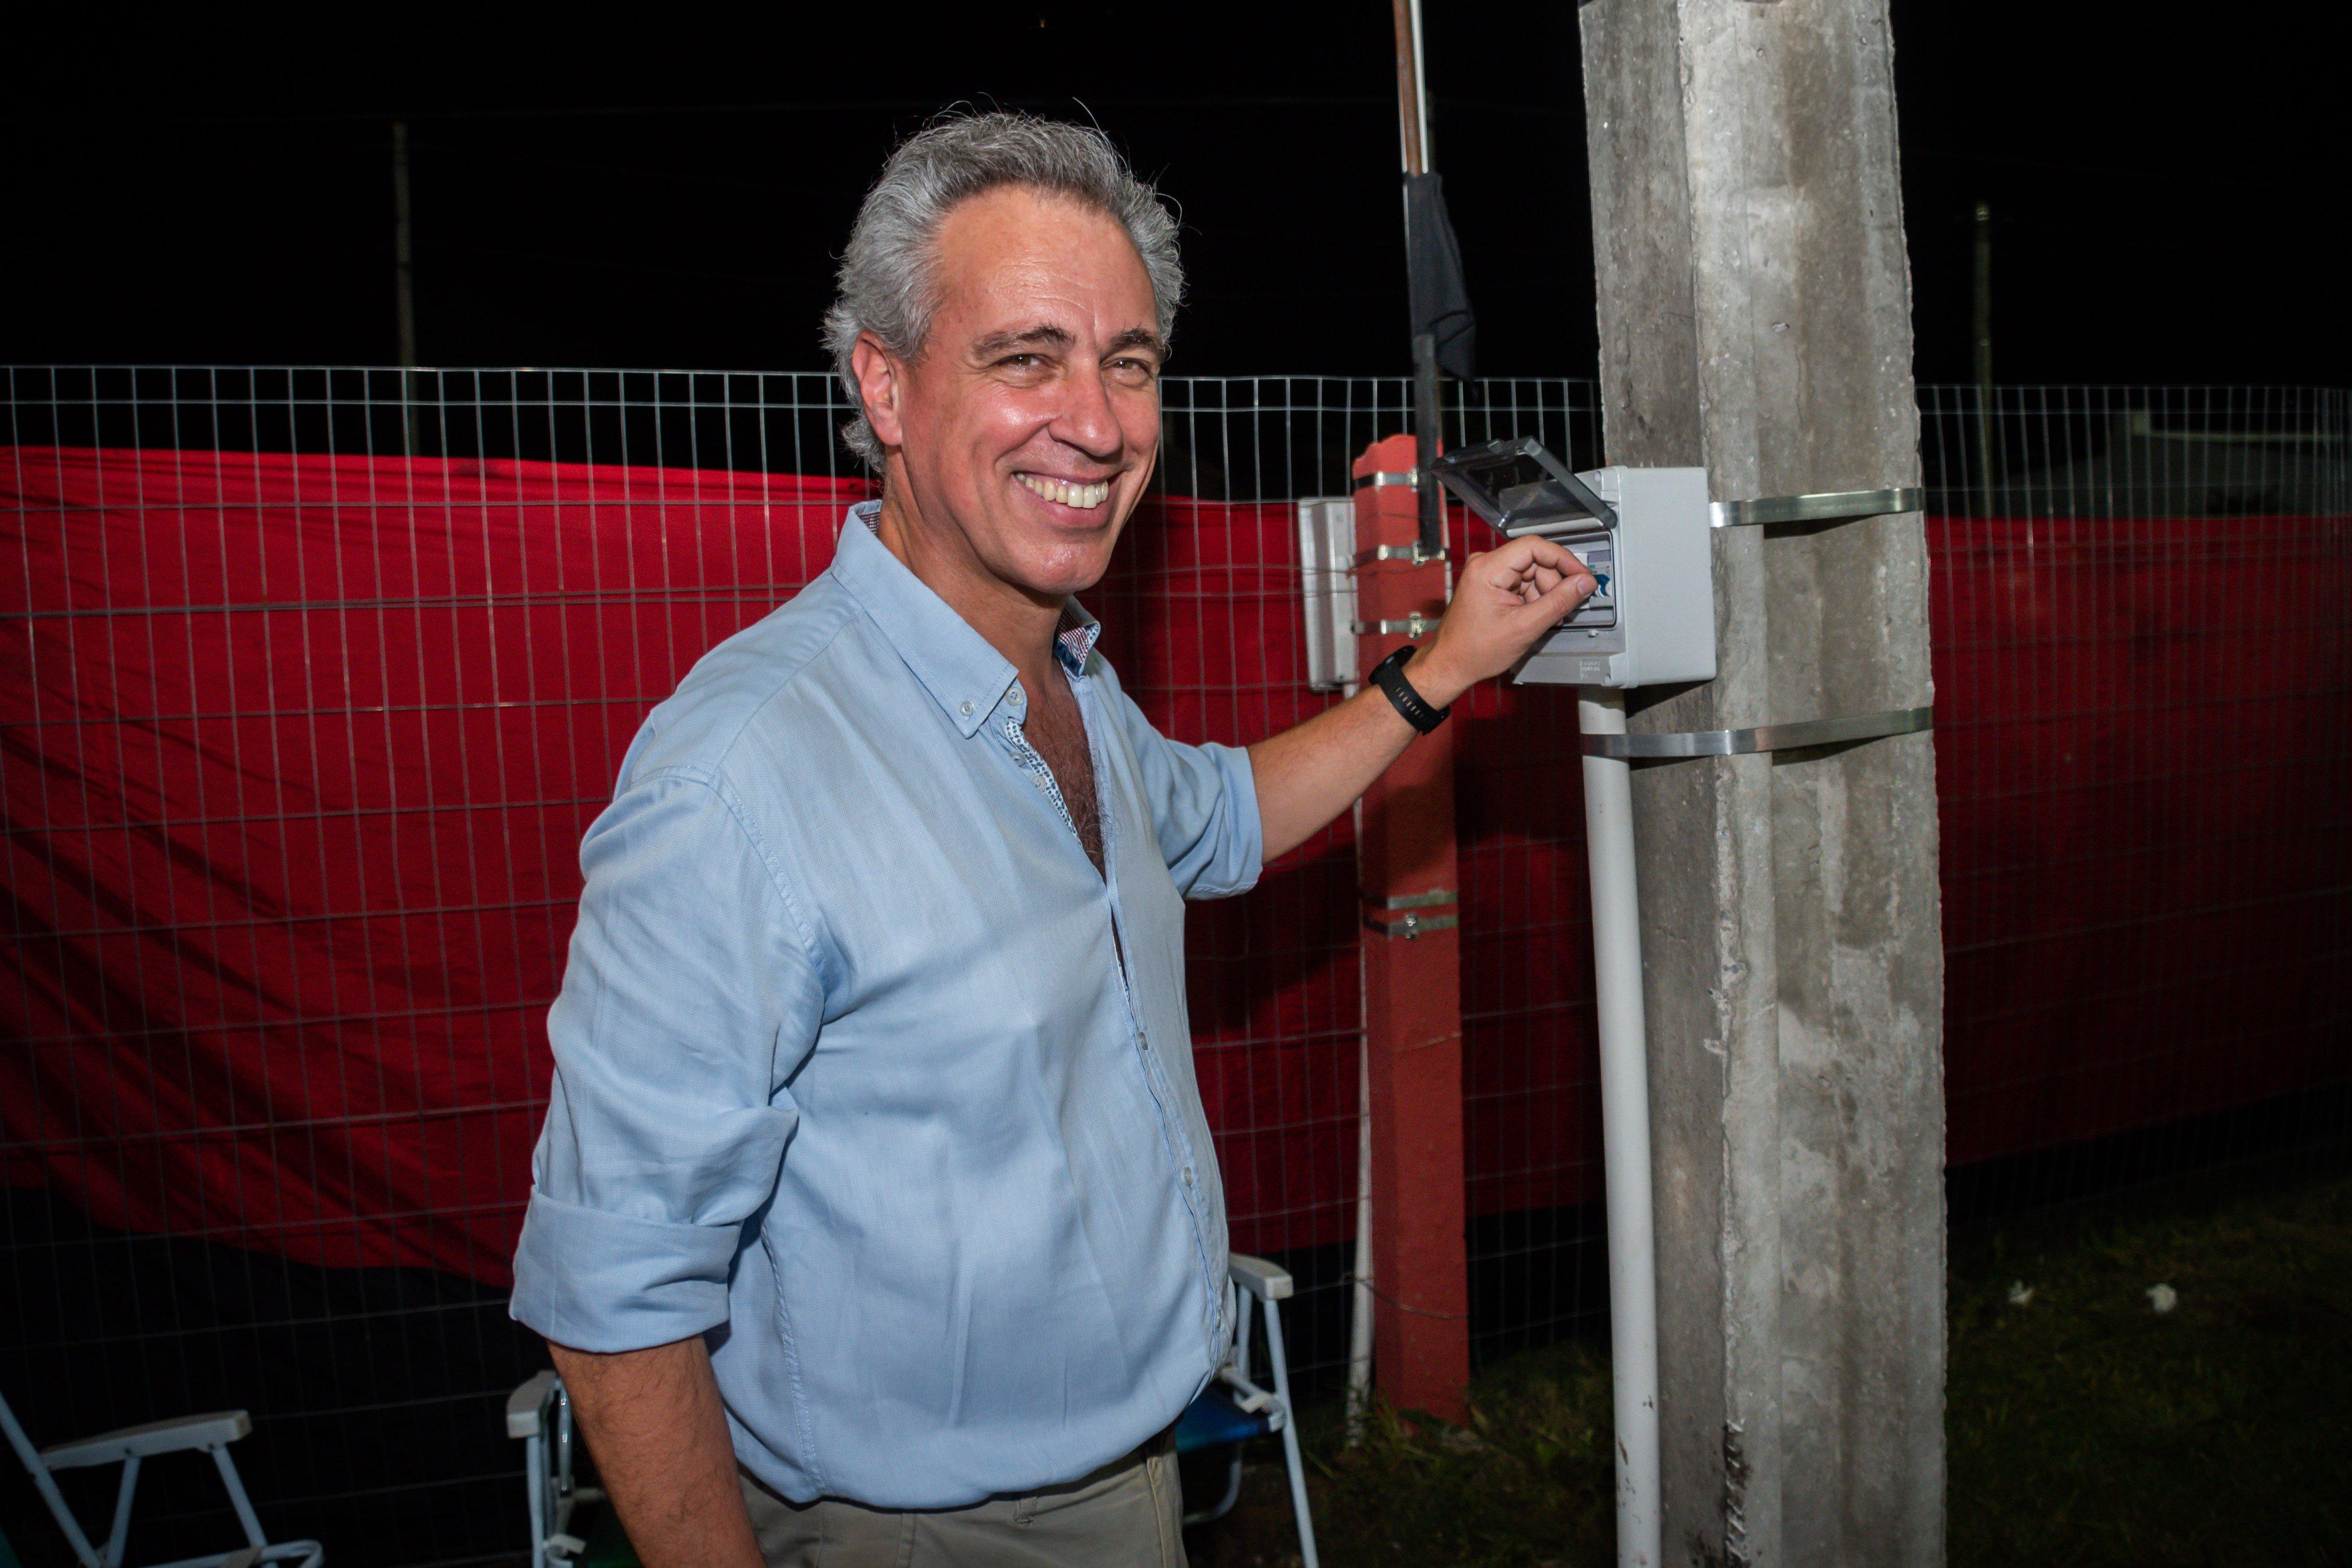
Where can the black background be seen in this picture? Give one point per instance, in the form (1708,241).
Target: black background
(670,187)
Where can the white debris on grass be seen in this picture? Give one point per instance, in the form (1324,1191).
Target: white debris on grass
(2163,1298)
(2019,1294)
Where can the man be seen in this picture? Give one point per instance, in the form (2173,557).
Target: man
(875,1220)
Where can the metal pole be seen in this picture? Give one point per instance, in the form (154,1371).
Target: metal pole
(1624,1131)
(1419,90)
(1413,122)
(1981,339)
(1412,119)
(1359,1317)
(1425,415)
(404,281)
(1412,137)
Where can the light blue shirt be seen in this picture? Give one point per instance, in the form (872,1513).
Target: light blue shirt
(853,1077)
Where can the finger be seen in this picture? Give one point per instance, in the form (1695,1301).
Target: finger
(1504,566)
(1533,582)
(1569,591)
(1541,552)
(1556,605)
(1542,580)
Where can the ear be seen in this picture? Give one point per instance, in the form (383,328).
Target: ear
(878,375)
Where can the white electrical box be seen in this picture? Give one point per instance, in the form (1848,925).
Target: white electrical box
(1643,533)
(1652,621)
(1327,560)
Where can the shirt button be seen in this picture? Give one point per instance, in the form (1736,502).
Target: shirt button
(1143,1040)
(1188,1175)
(964,708)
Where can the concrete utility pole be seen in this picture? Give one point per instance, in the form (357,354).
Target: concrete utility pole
(1755,317)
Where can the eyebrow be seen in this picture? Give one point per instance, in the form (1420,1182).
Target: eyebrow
(1140,338)
(1047,336)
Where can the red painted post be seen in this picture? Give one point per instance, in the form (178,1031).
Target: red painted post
(1413,982)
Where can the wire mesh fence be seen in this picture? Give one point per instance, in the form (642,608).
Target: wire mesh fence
(2145,774)
(2112,453)
(315,676)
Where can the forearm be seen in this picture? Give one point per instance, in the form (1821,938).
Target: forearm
(1308,775)
(654,1421)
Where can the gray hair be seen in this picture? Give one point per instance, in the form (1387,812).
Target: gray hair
(888,282)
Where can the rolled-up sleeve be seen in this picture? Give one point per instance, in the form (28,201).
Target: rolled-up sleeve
(1203,807)
(689,998)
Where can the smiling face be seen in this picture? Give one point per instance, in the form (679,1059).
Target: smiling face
(1023,433)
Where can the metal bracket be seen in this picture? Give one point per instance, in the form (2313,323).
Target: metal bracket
(1430,900)
(1763,737)
(1412,553)
(1410,479)
(1829,506)
(1412,625)
(1412,926)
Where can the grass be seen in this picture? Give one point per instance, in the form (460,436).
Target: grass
(1527,1480)
(2083,1427)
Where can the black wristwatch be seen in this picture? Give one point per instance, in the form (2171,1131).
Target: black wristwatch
(1389,675)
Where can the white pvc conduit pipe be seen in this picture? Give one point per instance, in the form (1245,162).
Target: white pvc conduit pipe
(1624,1131)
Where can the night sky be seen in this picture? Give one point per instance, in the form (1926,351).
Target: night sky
(669,190)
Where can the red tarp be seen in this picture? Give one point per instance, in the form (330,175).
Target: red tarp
(299,750)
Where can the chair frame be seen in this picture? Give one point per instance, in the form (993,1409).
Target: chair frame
(1263,1284)
(210,1434)
(539,1413)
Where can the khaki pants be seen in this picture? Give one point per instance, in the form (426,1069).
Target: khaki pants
(1125,1515)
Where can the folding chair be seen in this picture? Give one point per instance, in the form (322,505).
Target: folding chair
(1233,1409)
(210,1434)
(539,1413)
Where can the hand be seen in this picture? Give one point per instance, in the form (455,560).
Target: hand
(1505,601)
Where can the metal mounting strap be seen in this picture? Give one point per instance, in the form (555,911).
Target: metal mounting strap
(1412,552)
(1412,625)
(1763,737)
(1411,477)
(1430,900)
(1830,507)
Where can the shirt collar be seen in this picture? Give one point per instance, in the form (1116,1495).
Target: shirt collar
(964,675)
(1076,637)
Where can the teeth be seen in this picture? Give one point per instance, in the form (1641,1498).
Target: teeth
(1086,497)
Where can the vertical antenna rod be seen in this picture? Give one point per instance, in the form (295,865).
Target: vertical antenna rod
(1412,124)
(403,260)
(1981,341)
(404,283)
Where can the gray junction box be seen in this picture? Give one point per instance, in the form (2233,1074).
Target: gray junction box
(1652,620)
(1643,533)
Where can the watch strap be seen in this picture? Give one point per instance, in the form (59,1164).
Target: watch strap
(1389,675)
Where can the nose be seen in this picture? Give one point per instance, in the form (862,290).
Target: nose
(1086,419)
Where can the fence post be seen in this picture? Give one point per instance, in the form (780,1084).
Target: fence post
(1412,987)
